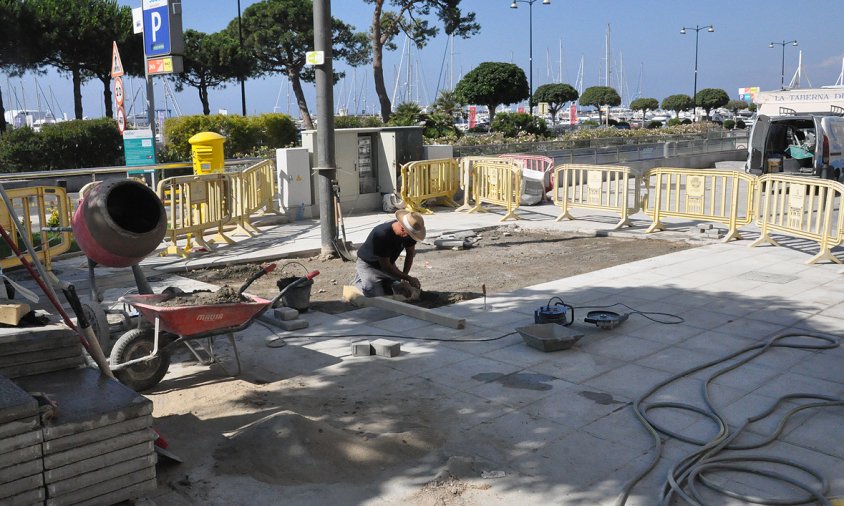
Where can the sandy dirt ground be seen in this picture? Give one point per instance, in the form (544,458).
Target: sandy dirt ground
(502,259)
(319,434)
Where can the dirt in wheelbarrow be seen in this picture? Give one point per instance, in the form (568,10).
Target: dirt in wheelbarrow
(503,259)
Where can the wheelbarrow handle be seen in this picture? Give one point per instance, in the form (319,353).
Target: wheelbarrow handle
(266,269)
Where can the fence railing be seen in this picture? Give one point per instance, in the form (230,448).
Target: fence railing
(252,190)
(604,187)
(429,179)
(195,204)
(36,208)
(497,183)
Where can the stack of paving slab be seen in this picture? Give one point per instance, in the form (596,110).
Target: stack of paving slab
(35,350)
(21,481)
(98,446)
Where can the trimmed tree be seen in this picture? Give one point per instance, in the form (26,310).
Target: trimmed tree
(599,96)
(555,95)
(711,98)
(736,105)
(644,105)
(493,84)
(210,61)
(409,17)
(677,103)
(278,33)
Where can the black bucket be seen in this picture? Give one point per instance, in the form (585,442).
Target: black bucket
(298,297)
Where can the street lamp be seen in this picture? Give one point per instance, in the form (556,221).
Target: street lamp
(530,3)
(782,71)
(697,29)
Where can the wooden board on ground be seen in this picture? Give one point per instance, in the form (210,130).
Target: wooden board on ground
(12,312)
(353,295)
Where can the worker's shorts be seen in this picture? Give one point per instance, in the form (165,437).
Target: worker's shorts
(371,281)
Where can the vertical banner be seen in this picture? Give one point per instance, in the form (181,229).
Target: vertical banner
(573,114)
(473,116)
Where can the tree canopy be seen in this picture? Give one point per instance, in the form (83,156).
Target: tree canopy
(210,61)
(736,105)
(600,96)
(711,98)
(555,95)
(278,33)
(677,103)
(411,17)
(492,84)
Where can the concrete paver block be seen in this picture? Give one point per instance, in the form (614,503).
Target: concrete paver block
(15,427)
(20,486)
(21,470)
(386,348)
(103,474)
(22,455)
(109,445)
(121,485)
(98,462)
(86,400)
(15,403)
(361,349)
(20,441)
(34,496)
(17,371)
(293,324)
(34,357)
(285,313)
(96,435)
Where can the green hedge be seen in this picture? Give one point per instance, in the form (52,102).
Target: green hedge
(66,145)
(245,136)
(512,124)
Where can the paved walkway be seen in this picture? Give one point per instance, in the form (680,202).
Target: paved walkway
(519,426)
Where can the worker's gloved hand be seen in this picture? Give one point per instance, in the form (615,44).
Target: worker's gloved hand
(414,282)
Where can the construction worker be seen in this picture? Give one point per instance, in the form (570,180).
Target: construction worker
(376,272)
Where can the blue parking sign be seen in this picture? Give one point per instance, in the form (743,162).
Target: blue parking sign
(156,28)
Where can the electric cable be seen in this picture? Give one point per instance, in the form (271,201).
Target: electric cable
(394,336)
(684,478)
(676,318)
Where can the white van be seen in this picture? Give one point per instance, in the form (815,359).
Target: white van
(810,144)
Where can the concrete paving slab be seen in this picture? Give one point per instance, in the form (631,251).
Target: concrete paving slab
(19,340)
(28,498)
(21,470)
(24,454)
(15,427)
(110,490)
(20,441)
(64,458)
(19,371)
(95,435)
(15,404)
(87,399)
(628,381)
(59,488)
(34,357)
(20,486)
(98,462)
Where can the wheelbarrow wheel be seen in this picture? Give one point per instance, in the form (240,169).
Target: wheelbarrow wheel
(138,343)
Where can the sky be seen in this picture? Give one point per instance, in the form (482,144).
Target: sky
(649,56)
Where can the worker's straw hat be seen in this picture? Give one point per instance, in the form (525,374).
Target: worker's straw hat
(413,223)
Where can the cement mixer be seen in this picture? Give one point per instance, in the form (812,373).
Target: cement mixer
(117,223)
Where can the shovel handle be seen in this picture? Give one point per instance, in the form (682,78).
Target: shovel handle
(266,269)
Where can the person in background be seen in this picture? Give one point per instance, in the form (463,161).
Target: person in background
(376,272)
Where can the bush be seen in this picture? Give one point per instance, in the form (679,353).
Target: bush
(66,145)
(357,122)
(514,124)
(440,126)
(612,122)
(686,121)
(245,136)
(675,122)
(654,125)
(729,124)
(740,124)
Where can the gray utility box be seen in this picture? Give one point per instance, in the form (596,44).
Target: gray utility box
(368,162)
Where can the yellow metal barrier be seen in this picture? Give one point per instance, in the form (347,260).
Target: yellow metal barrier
(253,190)
(497,181)
(705,195)
(604,187)
(37,208)
(195,204)
(807,208)
(465,177)
(429,179)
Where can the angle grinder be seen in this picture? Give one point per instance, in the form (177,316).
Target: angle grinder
(606,320)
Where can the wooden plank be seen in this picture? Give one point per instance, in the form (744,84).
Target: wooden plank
(353,295)
(12,312)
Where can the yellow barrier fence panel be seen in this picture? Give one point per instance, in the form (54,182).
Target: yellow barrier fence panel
(37,208)
(253,191)
(601,187)
(802,207)
(429,179)
(497,181)
(537,165)
(701,195)
(466,163)
(196,204)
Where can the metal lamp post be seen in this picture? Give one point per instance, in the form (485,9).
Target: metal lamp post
(782,69)
(530,3)
(697,29)
(241,79)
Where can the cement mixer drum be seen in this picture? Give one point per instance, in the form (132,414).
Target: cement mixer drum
(118,223)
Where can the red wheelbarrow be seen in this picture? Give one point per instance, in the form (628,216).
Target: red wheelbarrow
(141,357)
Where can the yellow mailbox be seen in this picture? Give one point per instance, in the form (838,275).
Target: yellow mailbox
(207,153)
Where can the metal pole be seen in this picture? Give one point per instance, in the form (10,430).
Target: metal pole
(150,105)
(782,68)
(530,56)
(326,167)
(694,94)
(242,80)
